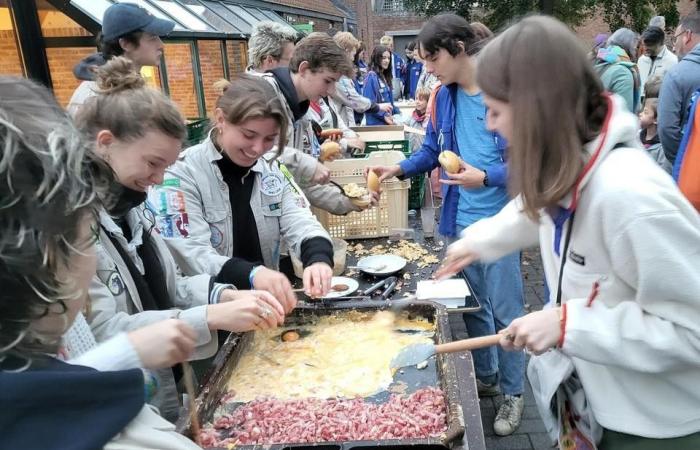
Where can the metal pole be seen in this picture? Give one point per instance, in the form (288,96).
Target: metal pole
(25,19)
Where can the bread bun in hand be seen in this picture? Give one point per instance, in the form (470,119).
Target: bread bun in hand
(330,150)
(449,161)
(372,181)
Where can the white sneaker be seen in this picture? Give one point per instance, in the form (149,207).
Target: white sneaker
(509,415)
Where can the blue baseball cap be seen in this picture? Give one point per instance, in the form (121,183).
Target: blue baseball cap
(123,18)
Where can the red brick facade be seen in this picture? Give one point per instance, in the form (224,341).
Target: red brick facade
(10,63)
(237,56)
(61,63)
(212,67)
(178,61)
(372,25)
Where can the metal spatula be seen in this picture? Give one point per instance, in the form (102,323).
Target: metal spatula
(417,353)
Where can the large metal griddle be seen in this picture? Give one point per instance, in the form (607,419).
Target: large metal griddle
(441,372)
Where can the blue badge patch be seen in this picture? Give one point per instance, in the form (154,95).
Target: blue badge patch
(271,184)
(217,236)
(115,284)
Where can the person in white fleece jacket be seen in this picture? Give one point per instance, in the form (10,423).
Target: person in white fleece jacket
(620,245)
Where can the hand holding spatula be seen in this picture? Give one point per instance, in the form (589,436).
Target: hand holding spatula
(417,353)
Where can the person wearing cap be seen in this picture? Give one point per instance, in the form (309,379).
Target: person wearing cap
(657,59)
(127,30)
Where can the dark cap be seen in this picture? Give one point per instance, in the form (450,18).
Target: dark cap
(124,18)
(653,35)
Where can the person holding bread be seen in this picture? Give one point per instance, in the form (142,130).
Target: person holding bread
(474,187)
(328,125)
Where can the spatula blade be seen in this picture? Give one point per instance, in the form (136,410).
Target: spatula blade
(412,355)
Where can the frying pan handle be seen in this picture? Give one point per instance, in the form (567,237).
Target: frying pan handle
(468,344)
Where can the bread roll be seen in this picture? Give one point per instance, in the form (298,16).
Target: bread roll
(449,161)
(372,181)
(330,150)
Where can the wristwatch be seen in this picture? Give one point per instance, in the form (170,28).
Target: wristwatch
(486,178)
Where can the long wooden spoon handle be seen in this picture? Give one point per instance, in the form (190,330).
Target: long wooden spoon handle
(468,344)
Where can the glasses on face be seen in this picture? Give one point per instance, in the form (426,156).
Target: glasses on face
(676,36)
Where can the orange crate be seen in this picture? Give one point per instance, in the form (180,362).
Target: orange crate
(378,221)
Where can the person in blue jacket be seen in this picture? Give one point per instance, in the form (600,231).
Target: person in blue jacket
(412,71)
(378,86)
(360,67)
(447,44)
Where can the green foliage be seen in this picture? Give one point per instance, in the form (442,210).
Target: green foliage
(634,14)
(430,8)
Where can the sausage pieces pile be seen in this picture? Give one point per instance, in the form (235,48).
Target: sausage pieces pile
(269,421)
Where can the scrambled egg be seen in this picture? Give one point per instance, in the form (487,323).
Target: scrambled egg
(354,190)
(345,355)
(411,251)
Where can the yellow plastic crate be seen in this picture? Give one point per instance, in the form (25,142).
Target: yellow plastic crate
(378,221)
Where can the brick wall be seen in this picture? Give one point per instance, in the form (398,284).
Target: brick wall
(61,63)
(10,63)
(178,61)
(65,31)
(237,52)
(382,24)
(372,26)
(55,23)
(212,66)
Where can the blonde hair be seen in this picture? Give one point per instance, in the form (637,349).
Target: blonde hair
(422,93)
(557,103)
(386,40)
(269,39)
(248,97)
(127,107)
(652,88)
(347,41)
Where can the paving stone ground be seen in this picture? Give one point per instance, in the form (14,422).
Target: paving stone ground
(531,434)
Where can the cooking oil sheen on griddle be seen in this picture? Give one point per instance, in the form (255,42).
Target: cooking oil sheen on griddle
(346,354)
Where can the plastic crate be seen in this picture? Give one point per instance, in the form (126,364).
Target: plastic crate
(378,221)
(197,131)
(402,146)
(417,192)
(415,196)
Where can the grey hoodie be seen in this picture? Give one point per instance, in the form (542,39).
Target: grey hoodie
(85,69)
(678,86)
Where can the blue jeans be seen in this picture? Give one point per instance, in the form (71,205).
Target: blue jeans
(499,288)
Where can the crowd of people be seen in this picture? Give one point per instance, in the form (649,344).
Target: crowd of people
(122,255)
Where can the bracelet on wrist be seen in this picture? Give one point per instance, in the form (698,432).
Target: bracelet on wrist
(251,276)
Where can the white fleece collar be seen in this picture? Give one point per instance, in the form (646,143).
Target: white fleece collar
(620,127)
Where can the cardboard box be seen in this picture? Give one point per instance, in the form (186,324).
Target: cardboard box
(380,133)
